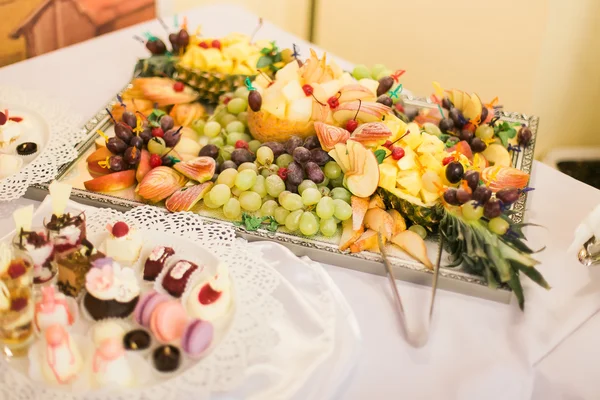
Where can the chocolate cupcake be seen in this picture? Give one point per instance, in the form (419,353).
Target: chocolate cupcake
(156,262)
(66,232)
(166,358)
(137,340)
(176,279)
(112,291)
(74,265)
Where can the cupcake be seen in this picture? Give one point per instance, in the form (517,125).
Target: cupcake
(41,250)
(177,277)
(52,309)
(156,262)
(123,243)
(111,291)
(74,265)
(10,131)
(210,299)
(61,360)
(65,231)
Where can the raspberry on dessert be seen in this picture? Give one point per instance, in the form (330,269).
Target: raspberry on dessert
(18,304)
(16,269)
(120,229)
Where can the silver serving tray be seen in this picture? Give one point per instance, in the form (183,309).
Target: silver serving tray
(320,249)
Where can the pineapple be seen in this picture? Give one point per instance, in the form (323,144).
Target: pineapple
(428,215)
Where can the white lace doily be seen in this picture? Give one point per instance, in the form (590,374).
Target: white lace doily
(278,338)
(65,133)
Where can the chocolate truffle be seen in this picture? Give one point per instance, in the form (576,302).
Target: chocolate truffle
(166,358)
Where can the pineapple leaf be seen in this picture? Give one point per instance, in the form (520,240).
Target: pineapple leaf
(500,263)
(533,274)
(515,284)
(489,276)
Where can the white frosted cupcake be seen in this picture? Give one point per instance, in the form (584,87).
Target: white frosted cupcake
(123,243)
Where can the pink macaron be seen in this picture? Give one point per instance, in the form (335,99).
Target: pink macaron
(168,321)
(197,337)
(146,306)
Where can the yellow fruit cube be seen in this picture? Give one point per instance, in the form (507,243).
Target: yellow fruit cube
(412,183)
(387,176)
(429,197)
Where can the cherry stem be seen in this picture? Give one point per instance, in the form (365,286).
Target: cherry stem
(317,100)
(143,116)
(339,94)
(265,76)
(359,105)
(260,24)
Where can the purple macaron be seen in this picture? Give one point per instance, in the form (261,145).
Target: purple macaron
(146,305)
(197,337)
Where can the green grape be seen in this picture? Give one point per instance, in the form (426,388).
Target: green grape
(291,202)
(268,208)
(250,201)
(245,180)
(471,210)
(156,146)
(432,129)
(324,191)
(236,192)
(283,195)
(484,132)
(259,186)
(332,170)
(324,183)
(275,185)
(208,202)
(227,118)
(377,70)
(203,140)
(212,129)
(235,126)
(361,71)
(308,224)
(385,72)
(341,193)
(293,220)
(232,209)
(264,155)
(198,126)
(325,208)
(248,165)
(284,160)
(498,225)
(241,92)
(328,227)
(280,215)
(253,145)
(220,194)
(243,117)
(342,210)
(266,172)
(236,106)
(225,152)
(419,230)
(305,184)
(232,138)
(337,182)
(217,141)
(227,177)
(311,196)
(267,198)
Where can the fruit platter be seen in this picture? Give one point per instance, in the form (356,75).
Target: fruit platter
(107,311)
(322,160)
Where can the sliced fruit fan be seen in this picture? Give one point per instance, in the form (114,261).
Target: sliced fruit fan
(314,150)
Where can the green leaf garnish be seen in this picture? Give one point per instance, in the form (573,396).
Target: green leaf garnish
(380,155)
(252,223)
(264,61)
(505,132)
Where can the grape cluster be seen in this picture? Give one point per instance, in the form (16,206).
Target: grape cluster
(295,183)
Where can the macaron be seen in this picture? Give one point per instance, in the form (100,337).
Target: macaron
(197,337)
(168,321)
(146,305)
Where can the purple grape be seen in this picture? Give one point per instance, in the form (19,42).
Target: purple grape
(123,132)
(482,194)
(254,100)
(320,156)
(292,143)
(146,134)
(524,136)
(167,123)
(484,114)
(466,135)
(295,173)
(116,163)
(478,145)
(454,172)
(174,39)
(508,195)
(450,197)
(156,46)
(132,155)
(463,195)
(137,141)
(385,100)
(457,117)
(277,148)
(209,150)
(167,161)
(241,155)
(446,125)
(116,145)
(301,155)
(290,187)
(492,209)
(129,118)
(472,178)
(314,172)
(447,104)
(385,84)
(226,165)
(172,137)
(312,142)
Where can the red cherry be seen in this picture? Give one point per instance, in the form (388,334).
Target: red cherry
(2,118)
(216,44)
(400,107)
(333,102)
(282,172)
(18,304)
(155,161)
(16,269)
(241,144)
(351,125)
(226,100)
(308,90)
(397,153)
(447,160)
(204,45)
(158,132)
(387,144)
(178,86)
(120,229)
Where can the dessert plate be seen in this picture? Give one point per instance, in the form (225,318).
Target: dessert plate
(33,129)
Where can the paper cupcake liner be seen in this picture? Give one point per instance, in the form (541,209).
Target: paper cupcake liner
(88,317)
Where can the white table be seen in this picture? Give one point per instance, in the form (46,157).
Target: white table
(89,74)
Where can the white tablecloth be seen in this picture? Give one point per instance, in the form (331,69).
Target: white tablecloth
(478,349)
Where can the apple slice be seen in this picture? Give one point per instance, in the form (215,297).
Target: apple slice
(354,92)
(340,155)
(143,166)
(366,241)
(99,155)
(399,221)
(160,183)
(457,98)
(349,235)
(187,197)
(363,180)
(376,202)
(111,182)
(473,109)
(360,205)
(413,245)
(496,154)
(498,177)
(368,111)
(330,135)
(200,169)
(96,169)
(380,221)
